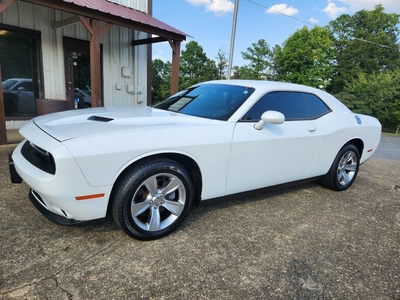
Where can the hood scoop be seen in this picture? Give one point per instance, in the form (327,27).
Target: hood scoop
(100,119)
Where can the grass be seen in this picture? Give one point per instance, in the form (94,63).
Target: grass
(390,134)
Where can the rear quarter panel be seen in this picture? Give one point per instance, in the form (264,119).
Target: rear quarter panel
(339,128)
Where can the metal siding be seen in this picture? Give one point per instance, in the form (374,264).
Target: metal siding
(117,52)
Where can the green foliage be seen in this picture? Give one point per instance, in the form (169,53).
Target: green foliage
(306,57)
(195,66)
(222,64)
(160,80)
(375,94)
(365,43)
(243,72)
(260,56)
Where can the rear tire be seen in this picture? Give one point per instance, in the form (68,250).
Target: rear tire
(344,169)
(151,199)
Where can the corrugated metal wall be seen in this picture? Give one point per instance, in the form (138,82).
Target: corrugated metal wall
(117,52)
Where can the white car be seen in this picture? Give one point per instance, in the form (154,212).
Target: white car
(148,166)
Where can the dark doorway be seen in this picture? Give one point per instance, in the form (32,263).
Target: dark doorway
(77,72)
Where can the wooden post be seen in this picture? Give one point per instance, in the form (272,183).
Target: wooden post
(95,64)
(176,58)
(3,130)
(95,58)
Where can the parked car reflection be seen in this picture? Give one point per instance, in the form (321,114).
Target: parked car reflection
(85,98)
(19,98)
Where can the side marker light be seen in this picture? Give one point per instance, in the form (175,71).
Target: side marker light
(89,197)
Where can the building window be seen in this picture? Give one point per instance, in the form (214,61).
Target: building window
(20,68)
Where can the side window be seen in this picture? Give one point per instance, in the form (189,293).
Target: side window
(293,105)
(28,86)
(318,107)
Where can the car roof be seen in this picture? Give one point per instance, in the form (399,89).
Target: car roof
(265,86)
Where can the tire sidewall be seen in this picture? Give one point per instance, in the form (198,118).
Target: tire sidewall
(135,181)
(346,149)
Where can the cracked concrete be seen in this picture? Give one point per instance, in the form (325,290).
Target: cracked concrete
(304,242)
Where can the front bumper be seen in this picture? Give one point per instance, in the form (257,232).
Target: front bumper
(60,220)
(58,195)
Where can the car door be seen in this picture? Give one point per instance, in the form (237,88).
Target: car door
(278,153)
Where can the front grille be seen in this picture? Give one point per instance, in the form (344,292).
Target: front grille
(38,157)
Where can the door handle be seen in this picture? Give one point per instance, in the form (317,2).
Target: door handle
(312,129)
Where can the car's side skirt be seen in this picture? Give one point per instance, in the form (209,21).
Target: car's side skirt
(267,189)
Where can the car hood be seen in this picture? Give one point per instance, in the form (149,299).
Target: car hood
(91,121)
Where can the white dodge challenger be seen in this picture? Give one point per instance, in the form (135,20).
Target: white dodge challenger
(147,166)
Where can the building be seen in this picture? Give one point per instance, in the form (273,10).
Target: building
(87,52)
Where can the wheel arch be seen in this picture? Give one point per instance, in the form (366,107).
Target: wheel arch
(358,143)
(189,163)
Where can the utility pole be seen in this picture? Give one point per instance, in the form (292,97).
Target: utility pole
(235,12)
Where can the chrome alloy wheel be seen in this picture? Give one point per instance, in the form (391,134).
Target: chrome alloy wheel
(347,168)
(158,201)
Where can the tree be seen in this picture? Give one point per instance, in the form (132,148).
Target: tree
(306,57)
(195,66)
(222,64)
(160,80)
(375,94)
(365,43)
(260,56)
(243,72)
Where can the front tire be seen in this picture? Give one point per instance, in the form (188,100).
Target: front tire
(151,199)
(344,169)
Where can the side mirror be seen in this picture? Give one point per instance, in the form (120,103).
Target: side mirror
(21,89)
(271,117)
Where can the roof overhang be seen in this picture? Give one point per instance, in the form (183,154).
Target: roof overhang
(113,13)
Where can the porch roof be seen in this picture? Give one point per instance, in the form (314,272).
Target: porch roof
(115,13)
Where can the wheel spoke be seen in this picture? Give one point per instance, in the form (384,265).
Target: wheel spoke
(346,178)
(172,186)
(154,220)
(151,184)
(346,158)
(174,207)
(340,175)
(138,208)
(351,167)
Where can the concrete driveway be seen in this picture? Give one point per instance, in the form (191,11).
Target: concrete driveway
(305,242)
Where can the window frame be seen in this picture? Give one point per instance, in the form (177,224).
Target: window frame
(32,34)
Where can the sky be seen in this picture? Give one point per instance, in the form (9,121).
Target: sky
(209,22)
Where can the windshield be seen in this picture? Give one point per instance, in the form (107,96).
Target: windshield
(212,101)
(7,84)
